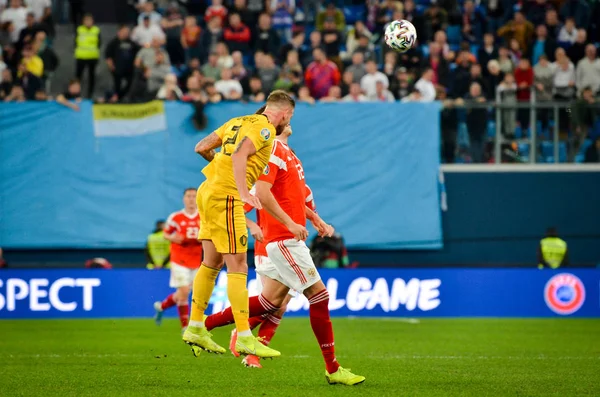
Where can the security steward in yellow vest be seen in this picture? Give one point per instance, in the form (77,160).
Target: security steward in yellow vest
(158,248)
(87,51)
(552,251)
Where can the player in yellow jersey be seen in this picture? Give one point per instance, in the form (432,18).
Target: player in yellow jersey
(246,144)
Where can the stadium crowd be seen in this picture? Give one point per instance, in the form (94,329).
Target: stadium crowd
(211,51)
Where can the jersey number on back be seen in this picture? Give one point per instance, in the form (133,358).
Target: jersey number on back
(231,141)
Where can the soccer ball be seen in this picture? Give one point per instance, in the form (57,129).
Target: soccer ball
(400,35)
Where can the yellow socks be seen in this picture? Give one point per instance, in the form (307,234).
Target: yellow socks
(204,283)
(237,292)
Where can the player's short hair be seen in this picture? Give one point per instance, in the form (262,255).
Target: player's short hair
(261,110)
(279,98)
(188,189)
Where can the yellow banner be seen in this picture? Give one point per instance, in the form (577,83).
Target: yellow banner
(128,112)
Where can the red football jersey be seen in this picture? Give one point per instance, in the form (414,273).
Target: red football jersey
(189,252)
(286,174)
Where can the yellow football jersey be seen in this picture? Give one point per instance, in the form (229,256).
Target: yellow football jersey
(258,129)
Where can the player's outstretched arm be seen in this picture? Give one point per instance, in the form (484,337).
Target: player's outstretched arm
(323,228)
(239,159)
(206,147)
(263,192)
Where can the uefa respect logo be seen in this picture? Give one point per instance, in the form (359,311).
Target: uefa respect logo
(564,293)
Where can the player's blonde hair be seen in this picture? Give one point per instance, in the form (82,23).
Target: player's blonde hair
(279,98)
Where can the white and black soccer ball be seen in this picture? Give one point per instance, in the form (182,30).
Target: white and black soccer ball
(400,35)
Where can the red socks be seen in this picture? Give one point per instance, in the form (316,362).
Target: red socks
(268,328)
(256,321)
(184,314)
(168,302)
(322,328)
(258,306)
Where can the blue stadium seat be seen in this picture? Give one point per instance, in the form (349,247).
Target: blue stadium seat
(424,50)
(354,13)
(491,129)
(524,148)
(474,49)
(454,34)
(462,136)
(580,157)
(547,152)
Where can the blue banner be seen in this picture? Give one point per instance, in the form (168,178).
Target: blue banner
(373,169)
(374,292)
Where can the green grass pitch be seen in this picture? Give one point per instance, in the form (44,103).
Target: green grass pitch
(430,357)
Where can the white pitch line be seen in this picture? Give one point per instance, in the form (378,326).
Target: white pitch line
(406,320)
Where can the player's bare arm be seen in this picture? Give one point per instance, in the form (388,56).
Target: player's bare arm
(263,192)
(324,229)
(174,238)
(206,147)
(239,160)
(255,230)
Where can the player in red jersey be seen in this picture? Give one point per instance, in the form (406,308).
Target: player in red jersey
(181,229)
(282,191)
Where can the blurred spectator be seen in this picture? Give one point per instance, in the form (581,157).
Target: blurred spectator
(334,95)
(461,76)
(306,54)
(248,17)
(524,81)
(283,18)
(518,28)
(505,61)
(172,25)
(156,73)
(237,35)
(238,70)
(441,39)
(190,38)
(16,13)
(390,64)
(170,91)
(310,9)
(72,96)
(352,38)
(6,32)
(487,51)
(16,94)
(576,52)
(292,63)
(39,8)
(6,83)
(436,18)
(536,11)
(285,81)
(228,87)
(401,86)
(158,248)
(544,83)
(472,22)
(148,56)
(197,98)
(382,94)
(332,40)
(28,32)
(31,63)
(385,14)
(347,80)
(543,45)
(438,64)
(588,71)
(3,263)
(552,23)
(211,69)
(355,94)
(592,154)
(515,51)
(552,252)
(192,67)
(120,56)
(209,39)
(216,10)
(578,10)
(212,95)
(225,59)
(449,125)
(568,33)
(144,33)
(149,12)
(296,44)
(256,92)
(508,95)
(476,76)
(585,117)
(493,78)
(497,12)
(368,83)
(321,74)
(476,123)
(425,86)
(268,72)
(265,38)
(77,9)
(366,48)
(564,77)
(358,67)
(331,14)
(304,95)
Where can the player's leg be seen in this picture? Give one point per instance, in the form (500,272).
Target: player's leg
(177,280)
(196,333)
(295,265)
(182,296)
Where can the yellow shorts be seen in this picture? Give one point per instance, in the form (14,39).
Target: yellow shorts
(222,221)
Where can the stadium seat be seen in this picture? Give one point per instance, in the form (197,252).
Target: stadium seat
(491,129)
(454,34)
(524,148)
(547,152)
(580,157)
(424,50)
(354,13)
(462,136)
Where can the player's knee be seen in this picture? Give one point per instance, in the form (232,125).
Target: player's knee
(281,311)
(275,300)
